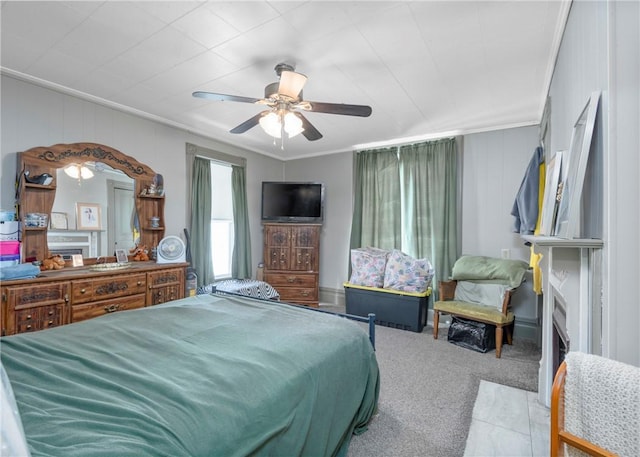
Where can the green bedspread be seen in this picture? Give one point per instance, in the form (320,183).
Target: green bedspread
(202,376)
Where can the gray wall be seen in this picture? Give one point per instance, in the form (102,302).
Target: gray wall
(336,172)
(600,50)
(494,164)
(35,116)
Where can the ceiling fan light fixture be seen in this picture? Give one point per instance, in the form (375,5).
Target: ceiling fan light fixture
(270,123)
(77,171)
(292,124)
(291,84)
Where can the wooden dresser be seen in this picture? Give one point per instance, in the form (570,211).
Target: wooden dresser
(74,294)
(292,261)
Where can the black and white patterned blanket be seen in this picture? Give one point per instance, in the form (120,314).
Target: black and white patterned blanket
(248,287)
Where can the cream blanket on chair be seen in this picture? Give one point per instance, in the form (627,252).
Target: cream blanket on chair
(602,403)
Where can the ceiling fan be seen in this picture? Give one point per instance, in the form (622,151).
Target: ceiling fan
(284,99)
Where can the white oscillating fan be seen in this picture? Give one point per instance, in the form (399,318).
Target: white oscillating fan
(171,250)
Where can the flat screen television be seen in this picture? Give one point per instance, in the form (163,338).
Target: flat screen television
(292,202)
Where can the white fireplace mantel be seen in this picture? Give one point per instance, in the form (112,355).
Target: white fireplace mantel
(571,269)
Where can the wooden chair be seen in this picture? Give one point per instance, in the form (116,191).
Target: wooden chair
(501,318)
(608,380)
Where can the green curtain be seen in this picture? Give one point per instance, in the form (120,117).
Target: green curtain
(241,259)
(428,174)
(376,214)
(201,220)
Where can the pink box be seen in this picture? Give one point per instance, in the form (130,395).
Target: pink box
(9,248)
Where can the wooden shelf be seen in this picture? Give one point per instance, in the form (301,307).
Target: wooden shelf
(158,197)
(39,186)
(552,241)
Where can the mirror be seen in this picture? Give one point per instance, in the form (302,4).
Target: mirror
(109,194)
(88,212)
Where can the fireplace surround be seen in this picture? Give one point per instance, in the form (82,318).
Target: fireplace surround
(572,302)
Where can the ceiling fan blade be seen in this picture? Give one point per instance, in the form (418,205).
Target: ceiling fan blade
(291,84)
(225,97)
(249,123)
(309,132)
(336,108)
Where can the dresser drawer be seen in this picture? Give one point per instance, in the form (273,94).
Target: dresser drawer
(291,280)
(39,318)
(112,305)
(83,291)
(159,295)
(37,295)
(298,295)
(166,278)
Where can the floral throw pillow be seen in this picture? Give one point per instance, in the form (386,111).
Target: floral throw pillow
(367,266)
(407,274)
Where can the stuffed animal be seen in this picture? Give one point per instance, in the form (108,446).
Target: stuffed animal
(140,253)
(55,262)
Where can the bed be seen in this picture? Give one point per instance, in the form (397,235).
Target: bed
(203,376)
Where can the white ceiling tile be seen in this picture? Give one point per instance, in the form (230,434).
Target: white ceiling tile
(191,73)
(61,68)
(161,51)
(168,11)
(244,15)
(203,26)
(425,67)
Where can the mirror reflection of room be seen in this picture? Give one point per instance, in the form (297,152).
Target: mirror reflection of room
(112,192)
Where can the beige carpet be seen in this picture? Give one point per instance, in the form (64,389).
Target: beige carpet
(428,389)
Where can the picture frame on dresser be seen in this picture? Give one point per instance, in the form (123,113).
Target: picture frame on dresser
(568,217)
(121,256)
(88,216)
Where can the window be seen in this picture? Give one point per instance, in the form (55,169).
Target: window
(221,219)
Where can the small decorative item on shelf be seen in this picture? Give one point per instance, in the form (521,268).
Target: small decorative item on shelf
(158,182)
(44,179)
(36,220)
(155,222)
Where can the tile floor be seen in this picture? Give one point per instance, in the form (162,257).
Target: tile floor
(508,422)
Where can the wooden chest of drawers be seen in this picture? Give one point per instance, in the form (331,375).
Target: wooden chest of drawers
(292,261)
(71,295)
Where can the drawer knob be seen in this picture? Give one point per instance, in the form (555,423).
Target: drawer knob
(291,279)
(82,291)
(139,283)
(50,312)
(304,293)
(111,308)
(29,316)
